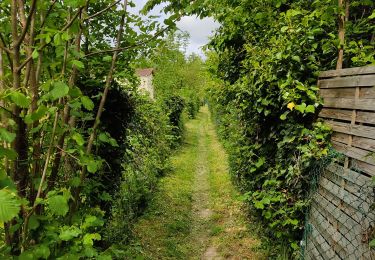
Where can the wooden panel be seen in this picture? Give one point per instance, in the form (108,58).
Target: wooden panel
(350,103)
(340,137)
(358,130)
(345,206)
(325,250)
(341,114)
(344,195)
(347,82)
(347,72)
(346,226)
(364,93)
(367,93)
(357,141)
(356,153)
(327,208)
(349,175)
(312,252)
(340,209)
(364,143)
(337,92)
(339,245)
(336,114)
(348,186)
(364,167)
(365,117)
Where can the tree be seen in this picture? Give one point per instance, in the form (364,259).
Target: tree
(49,126)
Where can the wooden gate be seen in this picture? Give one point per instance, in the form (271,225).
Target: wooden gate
(341,220)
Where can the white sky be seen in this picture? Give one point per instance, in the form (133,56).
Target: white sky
(199,30)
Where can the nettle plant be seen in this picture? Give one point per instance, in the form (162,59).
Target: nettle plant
(49,128)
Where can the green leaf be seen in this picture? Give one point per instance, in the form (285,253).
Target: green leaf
(35,54)
(27,255)
(267,214)
(57,39)
(3,174)
(78,138)
(7,152)
(301,108)
(372,16)
(310,109)
(283,116)
(266,201)
(92,166)
(107,58)
(7,182)
(58,205)
(106,138)
(78,64)
(296,58)
(41,251)
(68,233)
(259,205)
(37,115)
(33,222)
(92,221)
(20,99)
(9,205)
(60,89)
(87,103)
(372,243)
(260,162)
(294,222)
(284,28)
(6,136)
(88,239)
(294,246)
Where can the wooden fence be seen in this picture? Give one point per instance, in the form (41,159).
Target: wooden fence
(341,220)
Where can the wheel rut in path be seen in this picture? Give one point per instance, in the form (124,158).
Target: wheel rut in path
(202,212)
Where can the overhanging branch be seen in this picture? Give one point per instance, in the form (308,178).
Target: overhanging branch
(131,46)
(102,11)
(28,59)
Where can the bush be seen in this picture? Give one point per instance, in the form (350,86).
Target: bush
(147,142)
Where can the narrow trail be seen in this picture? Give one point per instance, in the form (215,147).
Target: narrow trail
(196,213)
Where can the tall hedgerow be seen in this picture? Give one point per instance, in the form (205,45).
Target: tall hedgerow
(264,59)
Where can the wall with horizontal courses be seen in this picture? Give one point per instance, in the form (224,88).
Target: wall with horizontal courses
(341,220)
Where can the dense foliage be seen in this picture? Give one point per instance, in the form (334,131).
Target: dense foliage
(179,79)
(265,59)
(269,58)
(82,150)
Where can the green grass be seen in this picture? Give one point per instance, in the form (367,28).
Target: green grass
(163,232)
(174,227)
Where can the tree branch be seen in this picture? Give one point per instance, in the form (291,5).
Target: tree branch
(102,11)
(131,46)
(47,14)
(3,44)
(28,21)
(9,112)
(28,59)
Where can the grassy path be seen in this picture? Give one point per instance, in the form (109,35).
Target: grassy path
(195,213)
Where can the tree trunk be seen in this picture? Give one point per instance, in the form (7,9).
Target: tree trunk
(343,5)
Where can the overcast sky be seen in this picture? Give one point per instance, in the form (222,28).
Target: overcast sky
(199,30)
